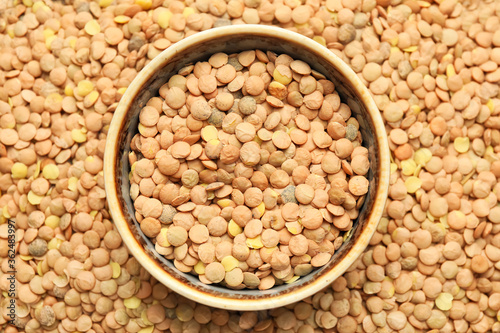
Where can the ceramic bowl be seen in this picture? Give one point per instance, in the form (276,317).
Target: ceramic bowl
(233,39)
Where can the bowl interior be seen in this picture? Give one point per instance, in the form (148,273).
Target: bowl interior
(232,44)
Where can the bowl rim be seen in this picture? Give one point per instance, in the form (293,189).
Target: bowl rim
(191,292)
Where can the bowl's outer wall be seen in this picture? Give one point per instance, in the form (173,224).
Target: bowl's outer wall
(122,130)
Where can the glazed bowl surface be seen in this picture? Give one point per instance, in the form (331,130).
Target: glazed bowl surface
(232,39)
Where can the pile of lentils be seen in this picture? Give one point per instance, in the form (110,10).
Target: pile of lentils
(248,169)
(433,70)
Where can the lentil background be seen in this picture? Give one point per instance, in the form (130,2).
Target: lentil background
(432,67)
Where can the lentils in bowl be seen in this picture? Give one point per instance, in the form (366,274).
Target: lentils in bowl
(248,170)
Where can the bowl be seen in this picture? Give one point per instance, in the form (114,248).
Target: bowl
(231,39)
